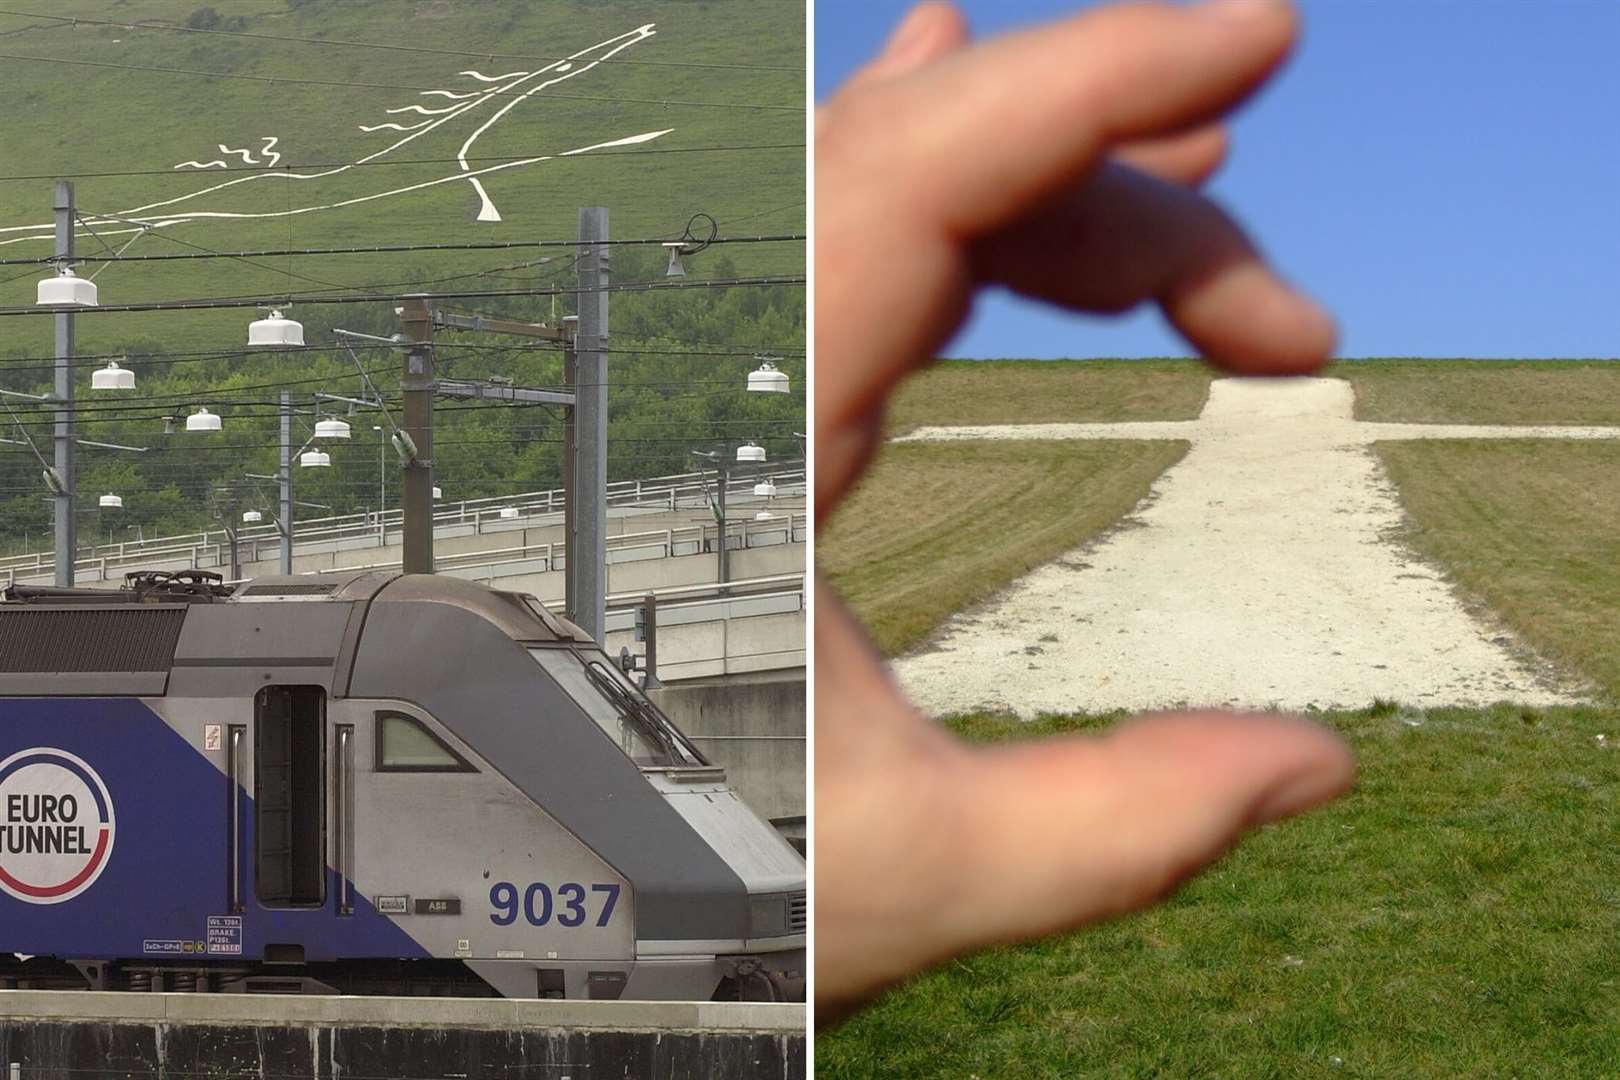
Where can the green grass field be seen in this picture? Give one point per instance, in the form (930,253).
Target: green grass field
(1453,916)
(1530,527)
(1484,391)
(87,120)
(726,77)
(935,528)
(1040,391)
(1416,391)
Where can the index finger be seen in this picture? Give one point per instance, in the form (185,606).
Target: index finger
(982,135)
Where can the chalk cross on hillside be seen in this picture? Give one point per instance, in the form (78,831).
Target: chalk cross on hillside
(1264,572)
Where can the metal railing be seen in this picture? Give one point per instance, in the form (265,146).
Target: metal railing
(211,548)
(552,554)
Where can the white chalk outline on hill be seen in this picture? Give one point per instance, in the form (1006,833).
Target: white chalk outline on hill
(1263,570)
(565,69)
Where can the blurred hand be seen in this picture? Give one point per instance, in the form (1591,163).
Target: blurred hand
(1062,162)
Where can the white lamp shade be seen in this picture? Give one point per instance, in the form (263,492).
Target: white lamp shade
(766,490)
(765,379)
(332,428)
(66,289)
(314,459)
(251,517)
(438,492)
(764,515)
(202,420)
(509,511)
(112,377)
(111,502)
(750,452)
(273,331)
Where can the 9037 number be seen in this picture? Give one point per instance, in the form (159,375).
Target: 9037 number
(539,905)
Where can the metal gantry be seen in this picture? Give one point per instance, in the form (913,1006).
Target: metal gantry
(584,339)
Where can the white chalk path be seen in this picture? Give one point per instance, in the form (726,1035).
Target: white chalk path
(520,85)
(1263,570)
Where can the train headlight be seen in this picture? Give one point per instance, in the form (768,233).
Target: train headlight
(767,916)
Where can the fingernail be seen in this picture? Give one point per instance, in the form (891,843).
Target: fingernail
(906,34)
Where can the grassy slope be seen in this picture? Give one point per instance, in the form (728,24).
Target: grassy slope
(1424,391)
(1485,391)
(935,528)
(95,120)
(1037,391)
(1533,527)
(72,121)
(1453,916)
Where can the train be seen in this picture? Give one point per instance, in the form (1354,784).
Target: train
(365,783)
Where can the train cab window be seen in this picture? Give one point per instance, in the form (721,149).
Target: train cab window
(618,707)
(404,744)
(289,795)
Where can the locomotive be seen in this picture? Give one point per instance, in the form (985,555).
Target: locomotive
(364,783)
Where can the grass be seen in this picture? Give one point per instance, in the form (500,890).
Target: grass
(936,527)
(1485,391)
(1396,390)
(103,119)
(1530,526)
(1454,916)
(1045,391)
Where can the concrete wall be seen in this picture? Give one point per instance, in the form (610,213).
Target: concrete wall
(756,730)
(185,1036)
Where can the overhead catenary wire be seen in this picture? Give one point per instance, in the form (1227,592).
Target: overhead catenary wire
(423,49)
(263,300)
(130,412)
(375,249)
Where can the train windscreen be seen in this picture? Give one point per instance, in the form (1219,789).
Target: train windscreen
(619,708)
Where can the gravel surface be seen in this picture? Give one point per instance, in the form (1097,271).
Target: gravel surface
(1263,570)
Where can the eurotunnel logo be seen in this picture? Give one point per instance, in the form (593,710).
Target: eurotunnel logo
(56,825)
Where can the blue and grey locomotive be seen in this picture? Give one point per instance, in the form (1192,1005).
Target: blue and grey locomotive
(372,783)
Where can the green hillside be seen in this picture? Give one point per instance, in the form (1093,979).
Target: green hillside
(722,81)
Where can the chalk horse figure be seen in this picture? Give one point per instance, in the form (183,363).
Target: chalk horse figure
(476,110)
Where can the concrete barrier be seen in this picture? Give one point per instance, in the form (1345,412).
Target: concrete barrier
(65,1033)
(755,729)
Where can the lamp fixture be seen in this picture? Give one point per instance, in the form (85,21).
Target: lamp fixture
(66,289)
(112,377)
(765,379)
(110,501)
(203,420)
(275,332)
(314,459)
(750,452)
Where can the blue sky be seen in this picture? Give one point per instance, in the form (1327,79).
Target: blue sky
(1444,174)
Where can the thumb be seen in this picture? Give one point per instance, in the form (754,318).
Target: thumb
(1070,831)
(930,30)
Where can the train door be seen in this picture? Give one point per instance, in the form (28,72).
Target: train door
(289,789)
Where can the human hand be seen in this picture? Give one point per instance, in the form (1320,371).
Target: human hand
(1062,162)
